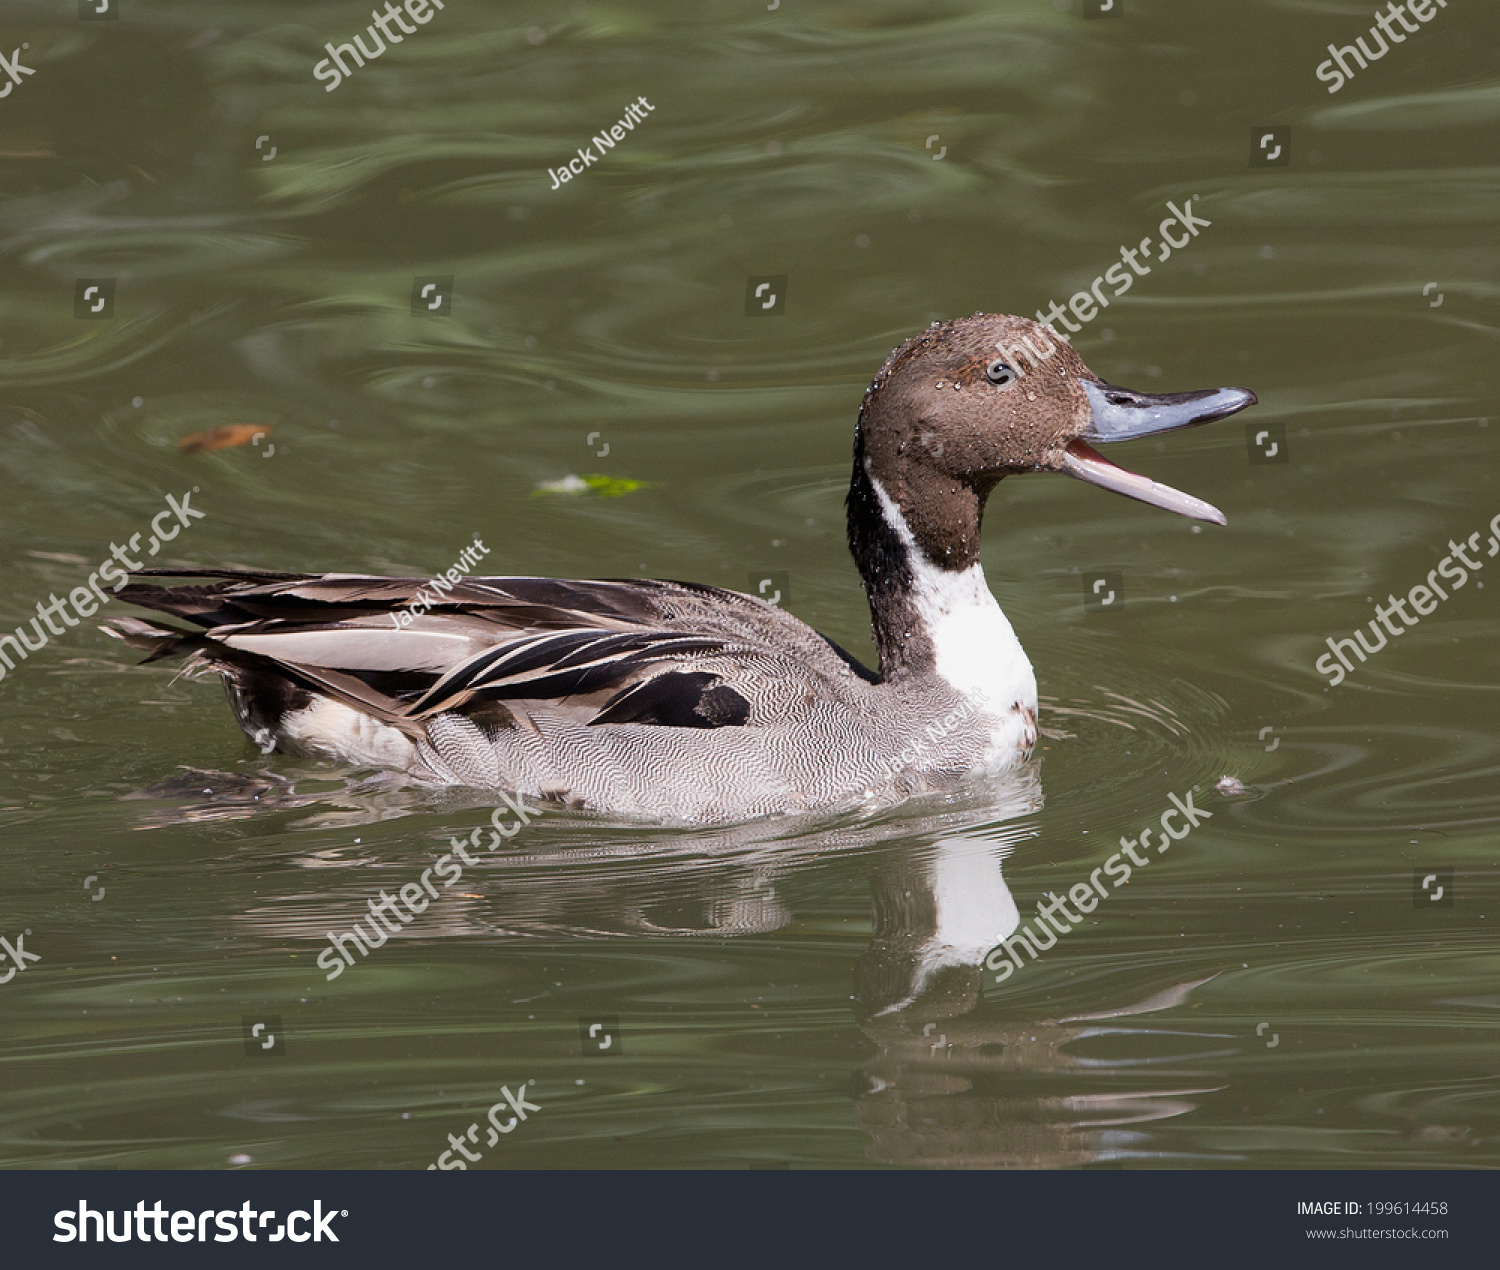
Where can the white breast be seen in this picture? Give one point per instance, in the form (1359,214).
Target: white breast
(977,652)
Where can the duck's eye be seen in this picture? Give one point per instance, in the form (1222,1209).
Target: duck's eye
(999,374)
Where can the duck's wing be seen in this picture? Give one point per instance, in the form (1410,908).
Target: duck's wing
(499,650)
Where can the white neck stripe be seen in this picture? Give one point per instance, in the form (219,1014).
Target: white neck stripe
(973,644)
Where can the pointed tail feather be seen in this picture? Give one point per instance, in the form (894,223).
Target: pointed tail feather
(152,637)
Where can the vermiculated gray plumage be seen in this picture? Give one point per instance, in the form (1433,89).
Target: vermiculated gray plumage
(662,699)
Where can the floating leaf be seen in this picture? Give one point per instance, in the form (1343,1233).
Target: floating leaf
(604,486)
(224,437)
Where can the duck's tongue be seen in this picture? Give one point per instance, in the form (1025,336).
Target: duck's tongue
(1087,464)
(1122,415)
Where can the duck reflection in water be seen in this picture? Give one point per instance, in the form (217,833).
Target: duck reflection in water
(956,1079)
(959,1080)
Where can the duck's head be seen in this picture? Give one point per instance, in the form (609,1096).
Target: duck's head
(968,402)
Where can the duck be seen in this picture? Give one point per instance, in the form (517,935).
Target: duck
(678,702)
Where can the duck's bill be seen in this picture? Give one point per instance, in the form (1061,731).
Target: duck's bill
(1087,464)
(1122,415)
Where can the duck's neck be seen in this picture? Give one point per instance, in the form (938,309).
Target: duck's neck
(917,548)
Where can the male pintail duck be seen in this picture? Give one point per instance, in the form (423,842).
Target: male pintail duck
(688,703)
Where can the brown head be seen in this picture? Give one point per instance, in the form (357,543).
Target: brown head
(951,413)
(968,402)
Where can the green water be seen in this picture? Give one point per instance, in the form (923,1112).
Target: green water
(1273,992)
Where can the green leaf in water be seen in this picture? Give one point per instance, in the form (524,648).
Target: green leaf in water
(604,486)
